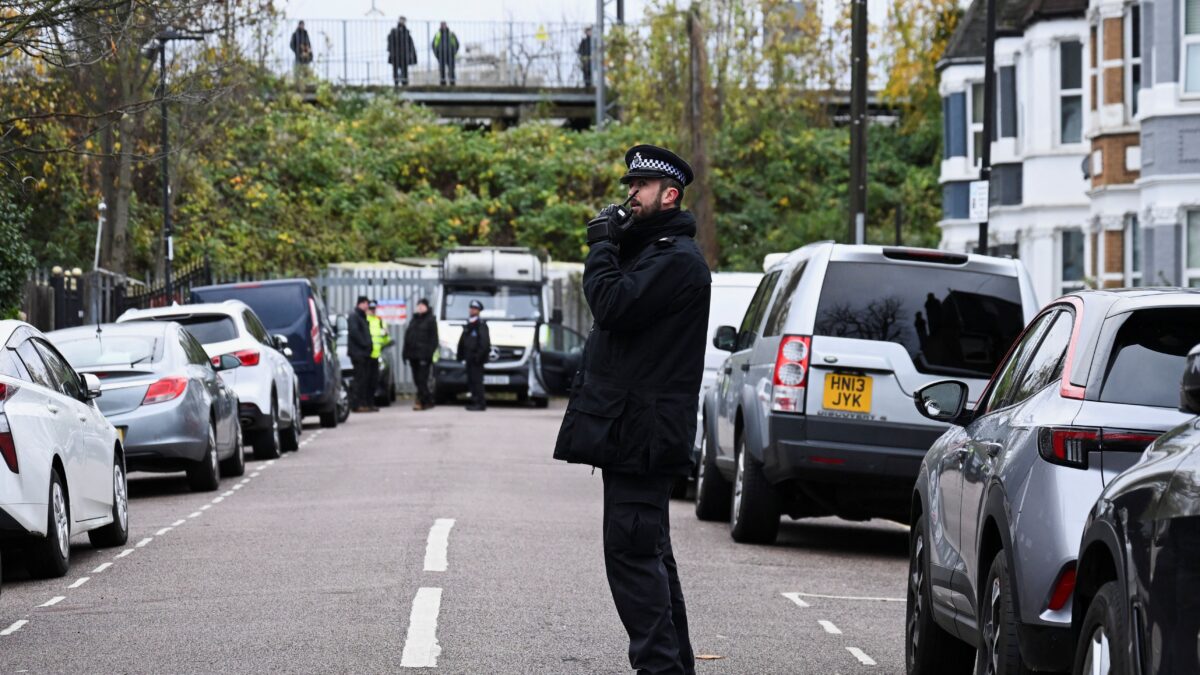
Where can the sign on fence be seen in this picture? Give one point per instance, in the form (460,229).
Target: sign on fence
(392,311)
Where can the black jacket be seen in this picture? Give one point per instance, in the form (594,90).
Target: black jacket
(360,344)
(633,406)
(475,343)
(301,46)
(401,50)
(420,338)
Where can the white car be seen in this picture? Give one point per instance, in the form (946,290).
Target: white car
(63,466)
(266,383)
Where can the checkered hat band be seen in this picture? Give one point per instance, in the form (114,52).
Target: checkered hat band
(657,165)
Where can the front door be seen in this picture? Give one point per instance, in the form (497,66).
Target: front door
(733,376)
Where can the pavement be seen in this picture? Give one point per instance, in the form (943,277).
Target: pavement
(445,540)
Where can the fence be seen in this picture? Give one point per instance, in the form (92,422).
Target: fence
(58,298)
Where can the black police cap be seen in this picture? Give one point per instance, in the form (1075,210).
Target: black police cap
(651,161)
(475,304)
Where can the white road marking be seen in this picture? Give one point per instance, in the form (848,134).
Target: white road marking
(254,475)
(435,547)
(206,507)
(795,597)
(227,493)
(143,542)
(244,481)
(102,567)
(829,627)
(79,582)
(239,486)
(15,627)
(195,514)
(163,531)
(218,500)
(846,597)
(270,462)
(53,601)
(861,656)
(178,522)
(421,647)
(124,553)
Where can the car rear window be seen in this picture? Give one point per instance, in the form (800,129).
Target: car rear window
(278,306)
(1148,355)
(951,321)
(109,350)
(207,328)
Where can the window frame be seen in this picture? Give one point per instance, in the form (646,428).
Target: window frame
(969,123)
(1132,61)
(1186,40)
(990,401)
(1133,266)
(1190,274)
(68,383)
(1070,285)
(1062,93)
(755,311)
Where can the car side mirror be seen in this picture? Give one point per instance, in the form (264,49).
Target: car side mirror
(279,341)
(226,362)
(1189,385)
(942,401)
(556,316)
(91,386)
(725,338)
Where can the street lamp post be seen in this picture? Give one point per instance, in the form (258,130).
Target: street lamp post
(99,231)
(989,118)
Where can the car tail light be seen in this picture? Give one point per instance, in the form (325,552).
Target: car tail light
(166,389)
(791,374)
(1069,446)
(248,357)
(8,448)
(318,350)
(1063,588)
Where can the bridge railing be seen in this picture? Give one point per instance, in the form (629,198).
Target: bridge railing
(354,51)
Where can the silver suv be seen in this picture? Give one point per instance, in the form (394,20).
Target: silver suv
(812,412)
(1000,505)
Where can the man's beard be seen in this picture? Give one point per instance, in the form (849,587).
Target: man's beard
(649,209)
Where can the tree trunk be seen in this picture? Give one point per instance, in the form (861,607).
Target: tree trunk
(702,205)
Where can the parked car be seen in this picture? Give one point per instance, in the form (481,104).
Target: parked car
(171,409)
(267,388)
(385,391)
(812,414)
(64,464)
(1002,498)
(293,308)
(1137,589)
(731,295)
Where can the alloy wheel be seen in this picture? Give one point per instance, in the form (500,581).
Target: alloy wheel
(700,476)
(60,519)
(120,499)
(916,597)
(991,623)
(212,452)
(737,485)
(1099,654)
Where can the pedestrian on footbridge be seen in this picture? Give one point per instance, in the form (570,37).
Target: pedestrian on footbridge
(402,53)
(445,48)
(632,411)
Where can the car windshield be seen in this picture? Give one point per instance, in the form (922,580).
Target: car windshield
(206,328)
(109,350)
(951,321)
(512,303)
(1150,349)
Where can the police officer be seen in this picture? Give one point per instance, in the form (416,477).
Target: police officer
(380,339)
(632,411)
(474,345)
(359,351)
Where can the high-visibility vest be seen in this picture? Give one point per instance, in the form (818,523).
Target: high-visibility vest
(379,335)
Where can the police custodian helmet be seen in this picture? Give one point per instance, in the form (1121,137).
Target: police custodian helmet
(651,161)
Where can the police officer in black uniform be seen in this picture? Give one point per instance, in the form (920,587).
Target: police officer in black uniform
(632,411)
(474,346)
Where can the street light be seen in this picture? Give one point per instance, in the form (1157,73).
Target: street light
(162,39)
(99,229)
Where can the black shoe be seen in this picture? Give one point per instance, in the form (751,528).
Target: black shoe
(476,408)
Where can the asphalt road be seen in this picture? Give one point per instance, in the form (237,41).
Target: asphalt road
(317,562)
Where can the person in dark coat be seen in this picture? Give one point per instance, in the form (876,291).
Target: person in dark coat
(302,49)
(359,349)
(402,53)
(420,344)
(474,346)
(445,48)
(632,411)
(585,56)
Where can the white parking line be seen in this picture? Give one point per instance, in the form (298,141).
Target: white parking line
(435,547)
(178,522)
(421,647)
(15,627)
(122,554)
(829,627)
(102,567)
(861,656)
(795,597)
(143,542)
(53,601)
(163,531)
(846,597)
(79,582)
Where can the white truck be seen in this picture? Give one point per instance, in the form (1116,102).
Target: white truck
(533,355)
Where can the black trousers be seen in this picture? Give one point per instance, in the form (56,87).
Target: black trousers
(443,66)
(641,572)
(361,395)
(374,385)
(420,371)
(400,74)
(475,383)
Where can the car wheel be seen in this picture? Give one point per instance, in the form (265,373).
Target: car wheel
(51,557)
(928,648)
(755,518)
(1104,636)
(713,494)
(999,652)
(289,439)
(115,533)
(205,475)
(342,407)
(266,442)
(236,465)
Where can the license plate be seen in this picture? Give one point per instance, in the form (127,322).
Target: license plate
(121,433)
(851,393)
(495,379)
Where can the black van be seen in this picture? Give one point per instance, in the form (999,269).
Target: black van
(293,308)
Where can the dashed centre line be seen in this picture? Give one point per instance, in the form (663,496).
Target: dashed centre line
(163,531)
(861,656)
(845,597)
(79,582)
(437,545)
(53,601)
(122,554)
(795,597)
(178,522)
(829,627)
(16,626)
(421,647)
(142,543)
(102,567)
(195,514)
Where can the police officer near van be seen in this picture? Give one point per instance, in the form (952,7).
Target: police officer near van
(632,411)
(474,347)
(359,350)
